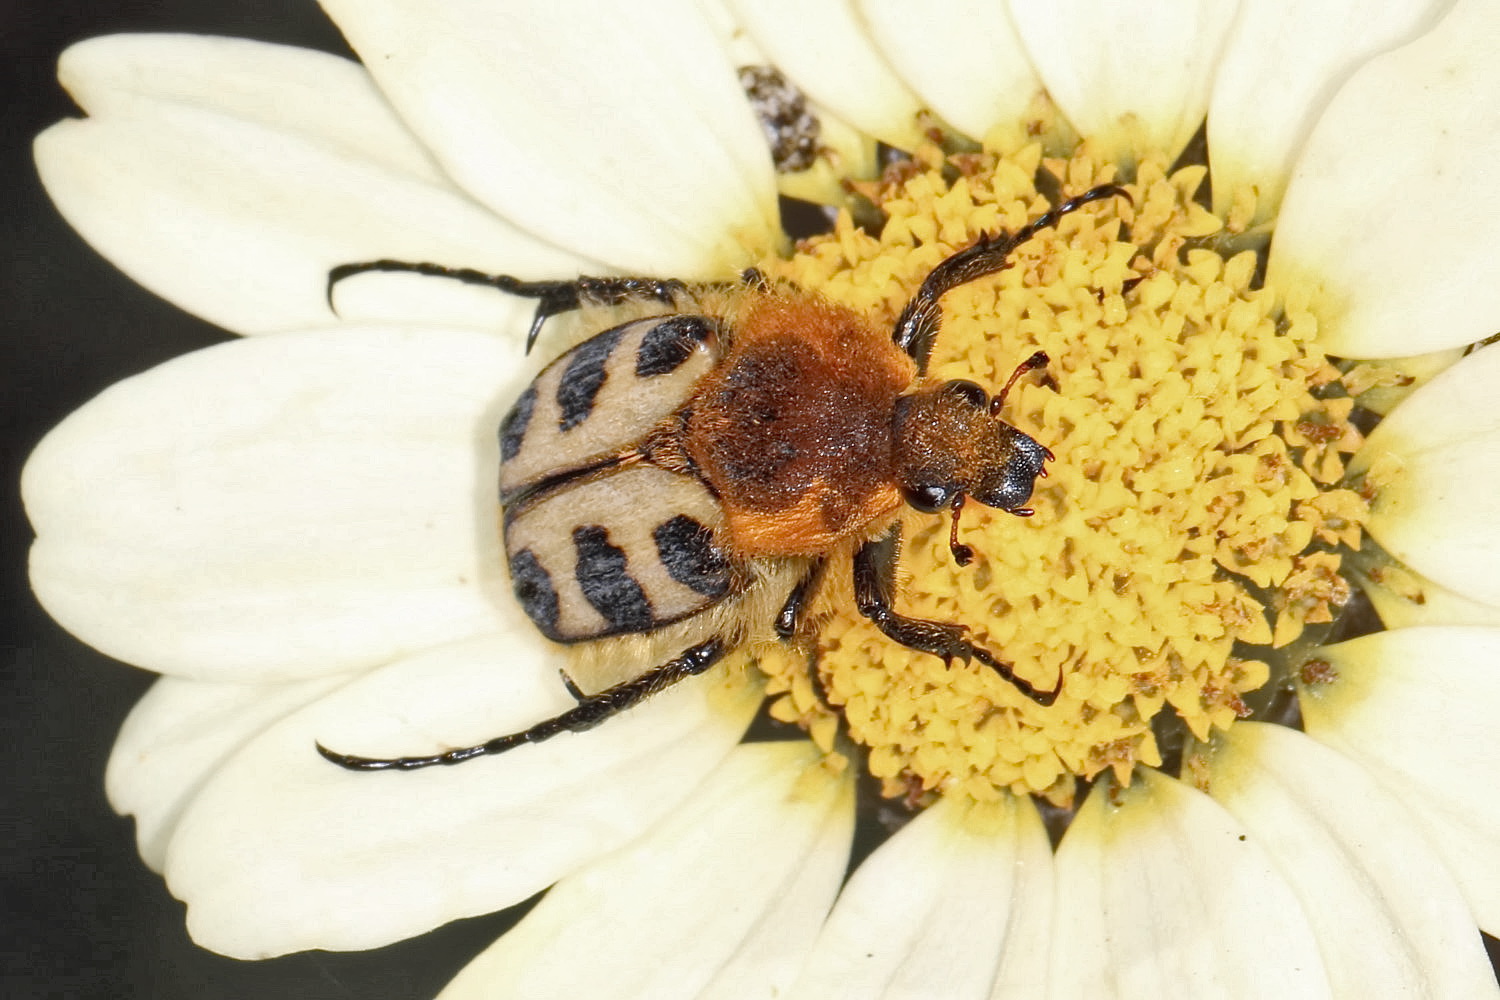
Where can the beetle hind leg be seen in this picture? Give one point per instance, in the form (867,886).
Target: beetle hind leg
(590,711)
(874,587)
(553,297)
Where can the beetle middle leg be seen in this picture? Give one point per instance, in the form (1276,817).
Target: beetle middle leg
(874,592)
(553,297)
(590,711)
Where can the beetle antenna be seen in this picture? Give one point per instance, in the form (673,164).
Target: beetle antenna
(962,554)
(1031,364)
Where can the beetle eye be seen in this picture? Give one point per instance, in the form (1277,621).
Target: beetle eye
(970,392)
(929,499)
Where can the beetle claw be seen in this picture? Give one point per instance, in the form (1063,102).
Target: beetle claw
(573,688)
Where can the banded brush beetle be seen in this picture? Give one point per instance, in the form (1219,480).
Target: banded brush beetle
(672,487)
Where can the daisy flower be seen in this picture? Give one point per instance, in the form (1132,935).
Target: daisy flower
(1266,401)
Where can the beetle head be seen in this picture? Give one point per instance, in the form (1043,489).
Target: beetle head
(950,444)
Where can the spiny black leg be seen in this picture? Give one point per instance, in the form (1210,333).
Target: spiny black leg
(874,592)
(590,712)
(790,615)
(917,328)
(553,297)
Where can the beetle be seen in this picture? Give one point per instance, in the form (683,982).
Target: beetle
(673,486)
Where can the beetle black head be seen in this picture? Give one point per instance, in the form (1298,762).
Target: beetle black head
(949,444)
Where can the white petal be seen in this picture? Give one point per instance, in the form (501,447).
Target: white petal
(661,918)
(1167,895)
(281,506)
(822,45)
(850,155)
(1390,214)
(1388,916)
(1437,506)
(1402,599)
(316,95)
(1282,63)
(1416,708)
(771,956)
(1420,368)
(963,57)
(240,224)
(845,153)
(177,735)
(282,851)
(619,132)
(936,904)
(1135,78)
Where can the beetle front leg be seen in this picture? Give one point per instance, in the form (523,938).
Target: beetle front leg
(917,327)
(874,593)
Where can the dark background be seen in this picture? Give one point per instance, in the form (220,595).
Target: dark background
(83,917)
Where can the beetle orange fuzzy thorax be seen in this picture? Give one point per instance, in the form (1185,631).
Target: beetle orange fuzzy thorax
(793,427)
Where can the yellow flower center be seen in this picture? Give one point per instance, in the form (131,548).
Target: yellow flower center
(1188,527)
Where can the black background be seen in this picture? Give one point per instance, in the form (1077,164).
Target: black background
(82,915)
